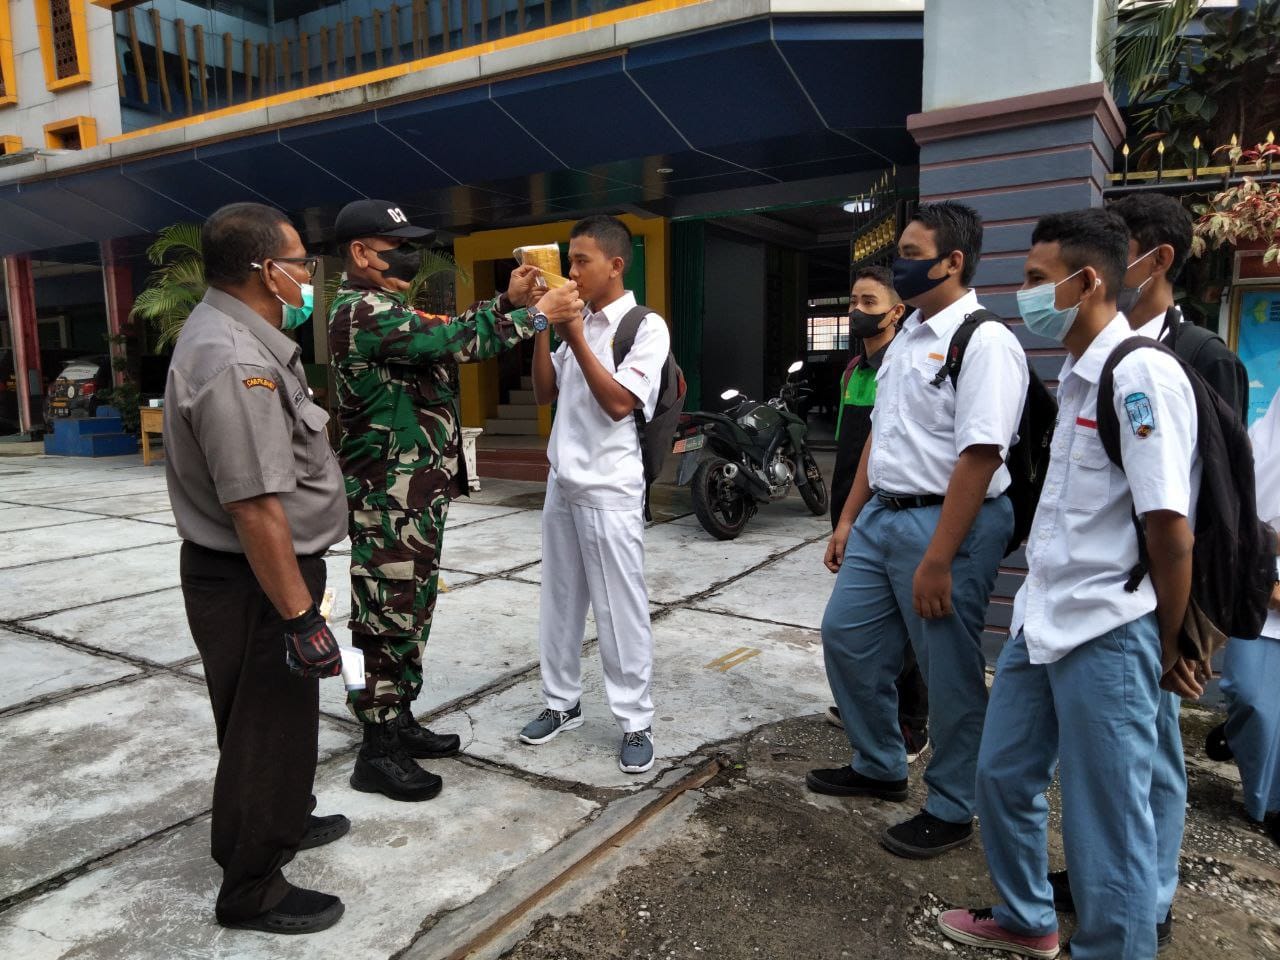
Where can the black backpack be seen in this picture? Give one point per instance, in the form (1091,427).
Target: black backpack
(655,435)
(1233,561)
(1229,379)
(1028,458)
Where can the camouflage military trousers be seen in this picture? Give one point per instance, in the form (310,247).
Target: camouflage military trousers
(395,569)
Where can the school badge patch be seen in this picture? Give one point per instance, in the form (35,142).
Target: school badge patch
(1141,417)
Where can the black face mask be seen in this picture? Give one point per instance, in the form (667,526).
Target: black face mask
(911,277)
(866,325)
(403,263)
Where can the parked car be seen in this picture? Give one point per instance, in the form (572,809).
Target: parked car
(77,390)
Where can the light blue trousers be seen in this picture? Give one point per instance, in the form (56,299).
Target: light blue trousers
(1168,800)
(869,621)
(1092,714)
(1251,686)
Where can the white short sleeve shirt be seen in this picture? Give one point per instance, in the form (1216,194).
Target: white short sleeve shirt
(1083,543)
(919,430)
(596,459)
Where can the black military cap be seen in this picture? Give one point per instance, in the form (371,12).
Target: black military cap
(375,218)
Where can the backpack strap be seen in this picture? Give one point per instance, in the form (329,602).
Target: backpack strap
(960,343)
(624,338)
(1109,434)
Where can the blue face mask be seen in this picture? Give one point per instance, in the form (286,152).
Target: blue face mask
(1041,314)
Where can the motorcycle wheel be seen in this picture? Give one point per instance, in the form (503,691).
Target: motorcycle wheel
(814,493)
(721,508)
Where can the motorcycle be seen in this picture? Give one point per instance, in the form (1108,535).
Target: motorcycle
(748,455)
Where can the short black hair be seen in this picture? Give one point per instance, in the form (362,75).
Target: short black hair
(955,226)
(882,276)
(610,233)
(1089,238)
(236,236)
(1156,218)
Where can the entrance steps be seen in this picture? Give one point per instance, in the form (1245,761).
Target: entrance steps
(100,436)
(519,417)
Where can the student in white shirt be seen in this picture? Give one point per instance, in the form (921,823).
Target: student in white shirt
(1077,687)
(932,524)
(1251,668)
(593,519)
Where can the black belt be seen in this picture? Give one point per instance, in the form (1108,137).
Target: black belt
(896,502)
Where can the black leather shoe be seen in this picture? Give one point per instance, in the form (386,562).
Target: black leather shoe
(420,742)
(382,766)
(845,782)
(301,911)
(1164,931)
(1062,899)
(322,830)
(1216,746)
(924,836)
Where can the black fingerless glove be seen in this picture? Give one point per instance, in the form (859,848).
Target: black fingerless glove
(311,650)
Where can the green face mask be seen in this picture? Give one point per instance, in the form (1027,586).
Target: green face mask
(295,317)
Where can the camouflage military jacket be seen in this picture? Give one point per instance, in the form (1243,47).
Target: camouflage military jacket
(401,446)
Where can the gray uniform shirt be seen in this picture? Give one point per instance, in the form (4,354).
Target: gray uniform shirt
(238,423)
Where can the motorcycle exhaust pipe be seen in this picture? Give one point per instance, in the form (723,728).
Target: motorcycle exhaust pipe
(731,471)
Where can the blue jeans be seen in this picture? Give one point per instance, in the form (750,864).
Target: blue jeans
(1168,800)
(1092,714)
(869,621)
(1251,686)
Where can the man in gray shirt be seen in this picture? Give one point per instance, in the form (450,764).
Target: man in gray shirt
(258,498)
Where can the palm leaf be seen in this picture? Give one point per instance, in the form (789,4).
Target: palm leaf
(1148,36)
(180,238)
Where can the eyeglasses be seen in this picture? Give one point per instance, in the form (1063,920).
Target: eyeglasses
(310,264)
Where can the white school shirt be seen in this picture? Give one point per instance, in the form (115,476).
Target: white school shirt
(1265,436)
(596,459)
(918,430)
(1082,543)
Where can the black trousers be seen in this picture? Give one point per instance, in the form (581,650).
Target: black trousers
(268,722)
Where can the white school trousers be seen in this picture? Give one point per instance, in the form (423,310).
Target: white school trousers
(595,556)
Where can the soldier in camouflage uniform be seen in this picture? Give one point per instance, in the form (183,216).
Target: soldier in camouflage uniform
(401,456)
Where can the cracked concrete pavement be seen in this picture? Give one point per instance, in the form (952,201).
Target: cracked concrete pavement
(545,853)
(109,739)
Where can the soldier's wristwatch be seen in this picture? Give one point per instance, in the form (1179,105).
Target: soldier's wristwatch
(540,321)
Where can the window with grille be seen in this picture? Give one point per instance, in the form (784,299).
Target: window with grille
(66,60)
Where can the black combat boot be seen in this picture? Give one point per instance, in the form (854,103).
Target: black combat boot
(382,766)
(420,742)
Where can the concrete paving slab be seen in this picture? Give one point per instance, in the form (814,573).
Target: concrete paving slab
(43,492)
(115,780)
(495,545)
(787,518)
(127,505)
(62,584)
(792,590)
(37,668)
(714,677)
(463,512)
(84,539)
(681,562)
(35,518)
(401,863)
(131,760)
(152,627)
(498,491)
(160,516)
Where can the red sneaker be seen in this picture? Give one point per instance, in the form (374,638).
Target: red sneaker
(978,928)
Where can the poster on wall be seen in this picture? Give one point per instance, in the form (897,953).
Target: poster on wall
(1257,323)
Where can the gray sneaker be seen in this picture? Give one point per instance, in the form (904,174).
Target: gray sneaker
(546,725)
(637,751)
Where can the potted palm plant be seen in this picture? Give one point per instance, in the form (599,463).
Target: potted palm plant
(1245,215)
(173,291)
